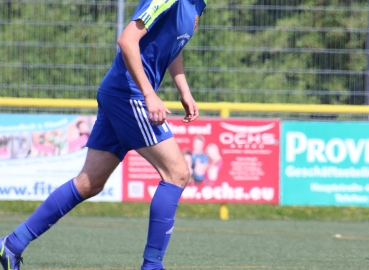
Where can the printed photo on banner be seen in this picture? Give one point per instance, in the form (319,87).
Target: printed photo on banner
(79,132)
(204,161)
(49,143)
(47,135)
(15,145)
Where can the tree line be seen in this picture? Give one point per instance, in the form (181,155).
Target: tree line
(287,51)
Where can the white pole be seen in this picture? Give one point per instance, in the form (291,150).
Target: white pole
(120,18)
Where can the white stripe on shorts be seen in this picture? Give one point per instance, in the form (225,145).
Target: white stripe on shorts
(147,122)
(139,122)
(165,127)
(141,117)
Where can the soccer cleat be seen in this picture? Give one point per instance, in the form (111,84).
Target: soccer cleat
(8,260)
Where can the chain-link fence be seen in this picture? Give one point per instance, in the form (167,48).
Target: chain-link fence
(286,51)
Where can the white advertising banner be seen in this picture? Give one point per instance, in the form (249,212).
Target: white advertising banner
(38,153)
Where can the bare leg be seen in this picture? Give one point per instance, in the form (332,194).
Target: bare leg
(168,160)
(98,167)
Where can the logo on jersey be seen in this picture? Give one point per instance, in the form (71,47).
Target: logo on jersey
(185,36)
(196,22)
(183,39)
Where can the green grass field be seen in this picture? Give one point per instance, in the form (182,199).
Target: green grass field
(117,243)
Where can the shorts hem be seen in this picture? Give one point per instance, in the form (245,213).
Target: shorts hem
(104,149)
(137,147)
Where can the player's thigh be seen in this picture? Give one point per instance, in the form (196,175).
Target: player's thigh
(168,160)
(100,164)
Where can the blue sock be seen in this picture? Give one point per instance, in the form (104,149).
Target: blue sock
(59,203)
(162,211)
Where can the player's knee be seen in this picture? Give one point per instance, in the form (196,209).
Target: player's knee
(183,177)
(94,190)
(187,175)
(87,187)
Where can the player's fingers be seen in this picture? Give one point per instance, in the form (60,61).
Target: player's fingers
(192,110)
(161,118)
(157,116)
(150,116)
(187,118)
(195,113)
(153,119)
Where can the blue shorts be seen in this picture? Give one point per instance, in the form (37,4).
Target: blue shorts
(122,125)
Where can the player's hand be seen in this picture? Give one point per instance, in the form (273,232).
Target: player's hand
(156,108)
(190,106)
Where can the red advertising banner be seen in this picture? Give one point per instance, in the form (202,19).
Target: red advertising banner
(231,160)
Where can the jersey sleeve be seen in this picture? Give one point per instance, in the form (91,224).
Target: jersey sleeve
(200,7)
(149,11)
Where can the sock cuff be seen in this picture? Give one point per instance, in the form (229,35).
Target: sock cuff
(175,190)
(153,255)
(75,191)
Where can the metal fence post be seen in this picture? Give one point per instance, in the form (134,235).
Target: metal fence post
(120,18)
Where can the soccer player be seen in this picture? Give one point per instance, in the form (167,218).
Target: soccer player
(130,116)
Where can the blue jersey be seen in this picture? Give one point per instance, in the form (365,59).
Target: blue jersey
(202,159)
(170,24)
